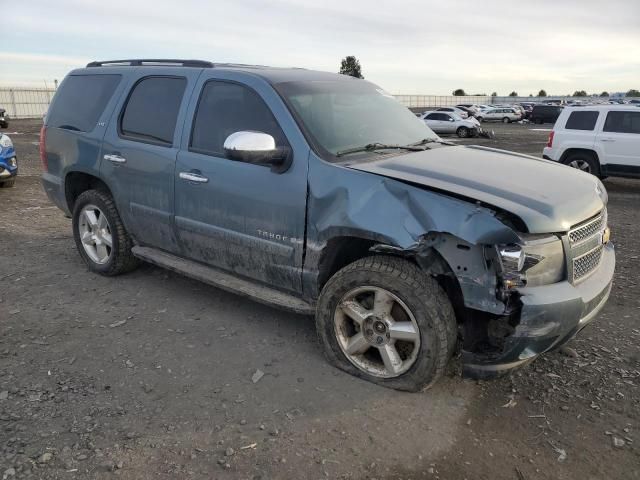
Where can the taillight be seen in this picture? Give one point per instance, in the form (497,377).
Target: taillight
(550,142)
(43,150)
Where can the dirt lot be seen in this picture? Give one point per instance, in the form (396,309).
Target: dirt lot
(151,375)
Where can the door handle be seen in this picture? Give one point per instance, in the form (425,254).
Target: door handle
(607,140)
(115,158)
(193,177)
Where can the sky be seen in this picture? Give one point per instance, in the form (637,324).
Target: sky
(406,47)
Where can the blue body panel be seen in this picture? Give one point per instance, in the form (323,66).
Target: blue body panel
(7,154)
(246,219)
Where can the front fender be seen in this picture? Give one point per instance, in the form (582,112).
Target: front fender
(405,217)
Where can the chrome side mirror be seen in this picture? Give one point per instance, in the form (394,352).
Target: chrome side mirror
(257,148)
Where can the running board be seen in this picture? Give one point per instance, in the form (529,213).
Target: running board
(223,280)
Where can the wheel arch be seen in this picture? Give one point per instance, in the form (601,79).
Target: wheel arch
(77,182)
(570,151)
(344,250)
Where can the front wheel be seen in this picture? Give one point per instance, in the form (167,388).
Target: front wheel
(384,320)
(462,132)
(100,236)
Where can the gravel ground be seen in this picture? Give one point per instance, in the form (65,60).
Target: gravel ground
(152,375)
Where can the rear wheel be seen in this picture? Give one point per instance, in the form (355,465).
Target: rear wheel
(584,161)
(382,319)
(506,120)
(100,236)
(462,132)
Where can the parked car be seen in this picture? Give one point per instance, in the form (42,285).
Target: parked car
(4,118)
(545,114)
(504,115)
(445,122)
(471,112)
(471,108)
(456,110)
(322,194)
(8,162)
(601,140)
(526,109)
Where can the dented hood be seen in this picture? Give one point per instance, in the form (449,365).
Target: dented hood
(547,196)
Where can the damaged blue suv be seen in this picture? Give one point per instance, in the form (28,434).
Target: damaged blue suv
(321,194)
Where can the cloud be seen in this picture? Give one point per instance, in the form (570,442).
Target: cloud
(407,46)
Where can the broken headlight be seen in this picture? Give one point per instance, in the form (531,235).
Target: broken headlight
(537,260)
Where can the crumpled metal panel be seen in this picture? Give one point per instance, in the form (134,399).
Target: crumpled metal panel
(347,202)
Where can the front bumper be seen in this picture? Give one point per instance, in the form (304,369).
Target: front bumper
(8,169)
(551,315)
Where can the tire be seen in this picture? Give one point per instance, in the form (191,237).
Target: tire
(506,120)
(119,258)
(8,183)
(462,132)
(481,119)
(583,161)
(415,297)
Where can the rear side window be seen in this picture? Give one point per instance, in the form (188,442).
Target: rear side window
(80,101)
(225,108)
(622,122)
(582,120)
(152,109)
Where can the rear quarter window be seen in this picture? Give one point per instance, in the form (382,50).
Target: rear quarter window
(80,101)
(582,120)
(622,122)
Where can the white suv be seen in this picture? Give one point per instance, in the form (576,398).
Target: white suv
(603,140)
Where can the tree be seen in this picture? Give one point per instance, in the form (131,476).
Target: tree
(513,94)
(542,93)
(633,93)
(579,93)
(604,94)
(351,66)
(459,92)
(494,94)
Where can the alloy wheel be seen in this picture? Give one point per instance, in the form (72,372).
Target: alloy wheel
(376,331)
(580,165)
(95,234)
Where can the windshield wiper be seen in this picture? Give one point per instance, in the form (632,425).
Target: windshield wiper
(370,147)
(426,141)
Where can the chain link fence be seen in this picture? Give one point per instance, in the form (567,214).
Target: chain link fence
(26,102)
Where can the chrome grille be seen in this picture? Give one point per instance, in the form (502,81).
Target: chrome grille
(587,263)
(588,229)
(586,247)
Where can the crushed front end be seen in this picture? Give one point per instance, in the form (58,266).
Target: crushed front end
(552,286)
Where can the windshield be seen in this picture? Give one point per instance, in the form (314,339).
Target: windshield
(341,115)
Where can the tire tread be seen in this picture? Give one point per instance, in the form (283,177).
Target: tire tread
(434,301)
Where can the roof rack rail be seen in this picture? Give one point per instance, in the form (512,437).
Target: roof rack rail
(139,62)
